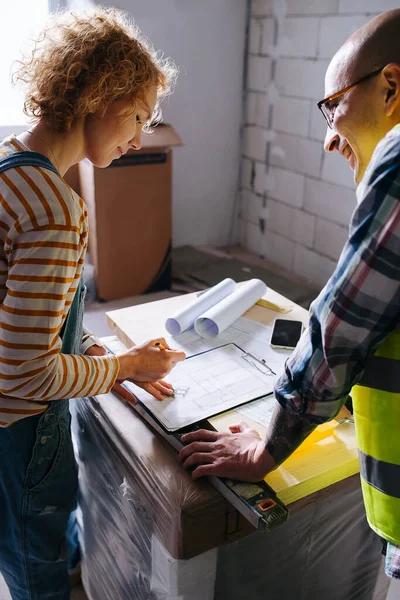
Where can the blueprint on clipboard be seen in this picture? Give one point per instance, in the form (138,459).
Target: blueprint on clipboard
(207,384)
(253,339)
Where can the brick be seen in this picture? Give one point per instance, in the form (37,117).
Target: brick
(312,7)
(255,36)
(335,169)
(334,32)
(291,115)
(285,186)
(259,179)
(254,143)
(268,31)
(299,37)
(332,202)
(262,117)
(330,238)
(296,154)
(251,238)
(312,266)
(278,250)
(247,167)
(291,223)
(262,8)
(250,206)
(301,77)
(251,108)
(259,73)
(318,124)
(366,6)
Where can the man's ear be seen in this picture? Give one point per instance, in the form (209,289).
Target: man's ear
(392,96)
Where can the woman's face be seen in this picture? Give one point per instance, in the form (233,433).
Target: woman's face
(108,137)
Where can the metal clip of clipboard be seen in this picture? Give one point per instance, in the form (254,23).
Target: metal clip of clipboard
(259,363)
(257,502)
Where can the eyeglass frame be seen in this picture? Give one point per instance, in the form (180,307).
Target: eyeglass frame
(321,103)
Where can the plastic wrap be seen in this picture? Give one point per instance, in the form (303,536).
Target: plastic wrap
(150,532)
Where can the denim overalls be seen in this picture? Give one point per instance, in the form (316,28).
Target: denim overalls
(38,477)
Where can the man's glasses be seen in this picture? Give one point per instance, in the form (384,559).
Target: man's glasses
(327,105)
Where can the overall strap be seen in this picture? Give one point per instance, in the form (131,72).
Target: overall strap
(26,159)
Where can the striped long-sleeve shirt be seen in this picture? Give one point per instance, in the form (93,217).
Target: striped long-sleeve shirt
(43,241)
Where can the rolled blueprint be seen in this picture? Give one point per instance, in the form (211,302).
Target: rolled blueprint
(185,318)
(219,317)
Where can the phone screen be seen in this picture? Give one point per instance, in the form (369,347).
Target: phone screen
(286,333)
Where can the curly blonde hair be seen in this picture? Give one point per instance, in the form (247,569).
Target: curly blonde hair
(83,62)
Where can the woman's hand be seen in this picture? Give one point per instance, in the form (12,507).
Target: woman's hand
(117,388)
(159,389)
(149,362)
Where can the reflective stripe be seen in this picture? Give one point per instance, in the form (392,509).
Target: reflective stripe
(381,475)
(382,374)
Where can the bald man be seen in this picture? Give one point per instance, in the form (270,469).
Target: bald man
(352,344)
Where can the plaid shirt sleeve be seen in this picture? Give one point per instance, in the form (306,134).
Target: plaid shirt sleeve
(360,304)
(392,562)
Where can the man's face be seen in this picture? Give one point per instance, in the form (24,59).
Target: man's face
(110,136)
(357,124)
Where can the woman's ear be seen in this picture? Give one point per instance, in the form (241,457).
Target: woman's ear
(392,95)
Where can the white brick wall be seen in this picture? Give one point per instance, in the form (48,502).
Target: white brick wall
(278,249)
(301,77)
(292,115)
(312,265)
(291,223)
(309,194)
(332,202)
(312,7)
(262,7)
(254,143)
(329,238)
(299,37)
(334,32)
(296,154)
(285,185)
(366,6)
(258,75)
(250,206)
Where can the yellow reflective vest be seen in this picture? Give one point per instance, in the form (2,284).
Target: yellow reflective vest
(376,405)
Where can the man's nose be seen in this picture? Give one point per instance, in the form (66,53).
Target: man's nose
(332,140)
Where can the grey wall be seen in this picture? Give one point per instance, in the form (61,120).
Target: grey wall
(207,39)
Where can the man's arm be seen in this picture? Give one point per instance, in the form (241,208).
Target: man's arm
(285,433)
(358,308)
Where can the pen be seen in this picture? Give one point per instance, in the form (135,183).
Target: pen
(160,346)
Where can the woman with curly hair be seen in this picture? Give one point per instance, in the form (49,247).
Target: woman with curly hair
(93,84)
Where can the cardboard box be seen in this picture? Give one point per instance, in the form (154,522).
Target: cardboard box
(130,221)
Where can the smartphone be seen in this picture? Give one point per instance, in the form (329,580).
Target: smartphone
(286,334)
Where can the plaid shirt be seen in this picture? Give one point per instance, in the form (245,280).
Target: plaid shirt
(359,306)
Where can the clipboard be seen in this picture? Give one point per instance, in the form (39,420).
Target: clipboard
(208,384)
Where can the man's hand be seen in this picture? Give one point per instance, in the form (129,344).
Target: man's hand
(240,454)
(148,362)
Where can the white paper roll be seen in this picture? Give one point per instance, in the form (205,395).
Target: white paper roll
(185,318)
(219,317)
